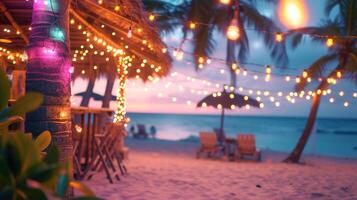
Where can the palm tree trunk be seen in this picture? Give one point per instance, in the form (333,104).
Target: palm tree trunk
(48,73)
(88,93)
(108,92)
(294,157)
(230,59)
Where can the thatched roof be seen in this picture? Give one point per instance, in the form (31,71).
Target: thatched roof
(116,16)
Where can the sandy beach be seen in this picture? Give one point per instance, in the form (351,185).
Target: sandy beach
(168,170)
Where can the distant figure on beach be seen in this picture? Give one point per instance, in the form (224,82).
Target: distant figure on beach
(153,132)
(132,130)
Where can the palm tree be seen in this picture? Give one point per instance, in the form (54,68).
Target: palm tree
(210,17)
(343,31)
(48,73)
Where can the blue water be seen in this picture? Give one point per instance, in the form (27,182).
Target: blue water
(332,137)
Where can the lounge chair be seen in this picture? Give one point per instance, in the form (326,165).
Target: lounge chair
(221,137)
(246,146)
(209,144)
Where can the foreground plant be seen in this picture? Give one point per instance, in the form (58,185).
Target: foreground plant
(26,171)
(26,174)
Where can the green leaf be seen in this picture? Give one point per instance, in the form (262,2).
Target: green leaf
(5,173)
(31,101)
(43,140)
(52,156)
(81,187)
(7,192)
(45,174)
(12,157)
(34,194)
(62,186)
(4,90)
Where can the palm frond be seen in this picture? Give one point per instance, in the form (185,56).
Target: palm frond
(204,43)
(351,66)
(330,5)
(316,69)
(328,28)
(262,24)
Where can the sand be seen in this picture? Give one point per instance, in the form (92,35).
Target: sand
(162,170)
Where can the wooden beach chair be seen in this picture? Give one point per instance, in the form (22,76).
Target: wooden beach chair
(246,146)
(209,144)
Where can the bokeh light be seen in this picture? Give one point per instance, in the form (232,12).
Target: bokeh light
(292,13)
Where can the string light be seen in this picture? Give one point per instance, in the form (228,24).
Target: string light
(225,1)
(151,17)
(278,37)
(233,30)
(329,42)
(192,25)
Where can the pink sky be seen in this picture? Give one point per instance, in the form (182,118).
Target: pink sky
(145,97)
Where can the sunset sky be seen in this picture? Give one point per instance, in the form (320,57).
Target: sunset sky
(177,94)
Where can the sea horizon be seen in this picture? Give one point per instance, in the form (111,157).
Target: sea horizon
(334,137)
(243,115)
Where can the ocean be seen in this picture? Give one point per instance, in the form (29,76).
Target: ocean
(331,137)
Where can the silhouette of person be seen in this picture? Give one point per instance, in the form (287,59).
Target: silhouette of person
(153,132)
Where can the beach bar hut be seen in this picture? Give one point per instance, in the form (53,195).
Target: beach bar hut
(46,40)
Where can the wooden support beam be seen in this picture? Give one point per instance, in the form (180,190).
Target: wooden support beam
(13,22)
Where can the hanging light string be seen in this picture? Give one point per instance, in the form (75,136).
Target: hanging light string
(237,67)
(271,96)
(194,24)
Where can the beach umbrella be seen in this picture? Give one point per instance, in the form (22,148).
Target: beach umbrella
(227,100)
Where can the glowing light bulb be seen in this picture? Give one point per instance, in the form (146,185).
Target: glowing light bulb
(329,42)
(234,66)
(192,25)
(268,69)
(287,78)
(331,100)
(346,104)
(233,30)
(292,13)
(304,74)
(151,17)
(179,55)
(278,37)
(201,60)
(297,80)
(225,1)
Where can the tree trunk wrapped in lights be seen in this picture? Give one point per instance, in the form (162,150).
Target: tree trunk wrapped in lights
(48,73)
(122,70)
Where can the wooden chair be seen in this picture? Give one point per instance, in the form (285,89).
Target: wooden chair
(209,144)
(246,146)
(107,152)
